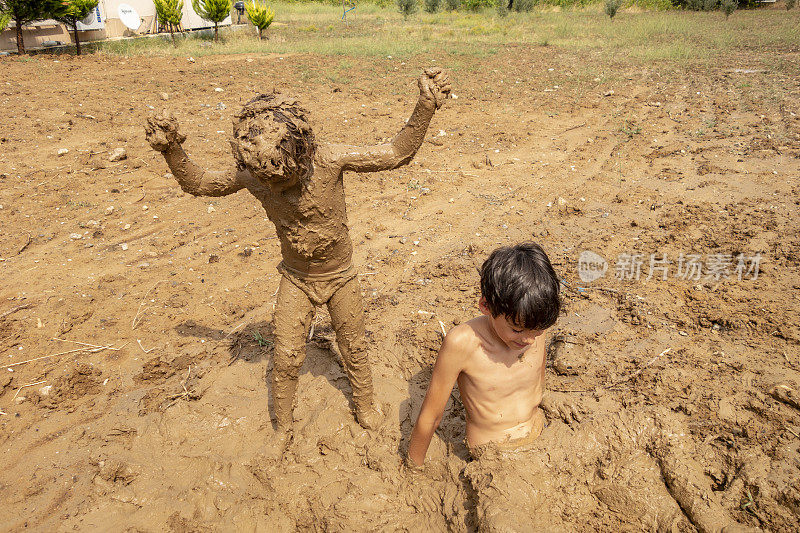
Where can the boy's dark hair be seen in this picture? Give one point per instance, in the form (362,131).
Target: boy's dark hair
(520,283)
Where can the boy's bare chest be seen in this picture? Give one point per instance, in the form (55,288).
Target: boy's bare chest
(507,374)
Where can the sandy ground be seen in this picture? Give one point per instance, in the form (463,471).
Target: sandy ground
(163,428)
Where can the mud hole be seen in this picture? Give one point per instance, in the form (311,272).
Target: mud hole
(168,431)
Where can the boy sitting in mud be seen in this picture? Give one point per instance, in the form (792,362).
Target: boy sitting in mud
(639,463)
(498,359)
(299,183)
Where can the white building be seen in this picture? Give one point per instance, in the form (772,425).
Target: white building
(103,23)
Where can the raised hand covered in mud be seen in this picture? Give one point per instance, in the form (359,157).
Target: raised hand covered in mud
(299,182)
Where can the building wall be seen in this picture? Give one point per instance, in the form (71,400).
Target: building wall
(36,34)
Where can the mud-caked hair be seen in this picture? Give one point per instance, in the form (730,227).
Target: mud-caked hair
(274,118)
(519,282)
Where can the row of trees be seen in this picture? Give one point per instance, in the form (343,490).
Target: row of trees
(169,13)
(22,12)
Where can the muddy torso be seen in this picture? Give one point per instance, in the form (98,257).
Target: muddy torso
(501,393)
(310,219)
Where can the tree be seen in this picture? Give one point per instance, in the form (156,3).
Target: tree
(728,7)
(169,13)
(214,11)
(407,7)
(5,18)
(612,6)
(260,15)
(24,12)
(70,12)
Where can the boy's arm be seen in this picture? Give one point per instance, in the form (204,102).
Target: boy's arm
(449,363)
(434,88)
(163,136)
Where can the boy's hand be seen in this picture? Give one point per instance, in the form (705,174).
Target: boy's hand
(560,405)
(434,86)
(162,131)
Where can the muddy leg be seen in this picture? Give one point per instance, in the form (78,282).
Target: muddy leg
(347,317)
(293,315)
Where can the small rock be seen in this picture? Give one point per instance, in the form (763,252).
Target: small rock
(124,246)
(164,96)
(145,207)
(144,264)
(109,209)
(218,89)
(19,399)
(608,93)
(211,209)
(213,258)
(62,151)
(190,60)
(221,106)
(168,176)
(75,236)
(92,223)
(45,391)
(126,227)
(118,154)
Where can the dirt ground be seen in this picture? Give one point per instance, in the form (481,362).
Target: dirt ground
(159,424)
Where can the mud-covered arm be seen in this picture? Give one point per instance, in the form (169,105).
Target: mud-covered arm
(449,364)
(163,135)
(434,87)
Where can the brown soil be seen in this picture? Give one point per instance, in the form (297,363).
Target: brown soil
(692,161)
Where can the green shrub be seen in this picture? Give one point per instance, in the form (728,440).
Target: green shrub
(169,13)
(407,7)
(432,6)
(452,5)
(476,5)
(501,6)
(5,18)
(260,15)
(728,7)
(523,6)
(612,6)
(213,11)
(789,4)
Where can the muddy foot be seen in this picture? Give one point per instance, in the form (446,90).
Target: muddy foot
(275,445)
(371,418)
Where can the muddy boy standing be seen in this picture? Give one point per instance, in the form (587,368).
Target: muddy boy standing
(299,182)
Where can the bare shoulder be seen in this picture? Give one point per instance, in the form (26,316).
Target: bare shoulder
(462,339)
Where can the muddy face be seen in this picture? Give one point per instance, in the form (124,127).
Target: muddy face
(273,141)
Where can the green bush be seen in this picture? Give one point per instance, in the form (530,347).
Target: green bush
(213,11)
(260,15)
(169,13)
(728,7)
(501,6)
(476,5)
(789,4)
(523,6)
(452,5)
(432,6)
(407,7)
(612,6)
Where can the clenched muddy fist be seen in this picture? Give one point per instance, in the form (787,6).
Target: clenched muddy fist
(162,131)
(434,86)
